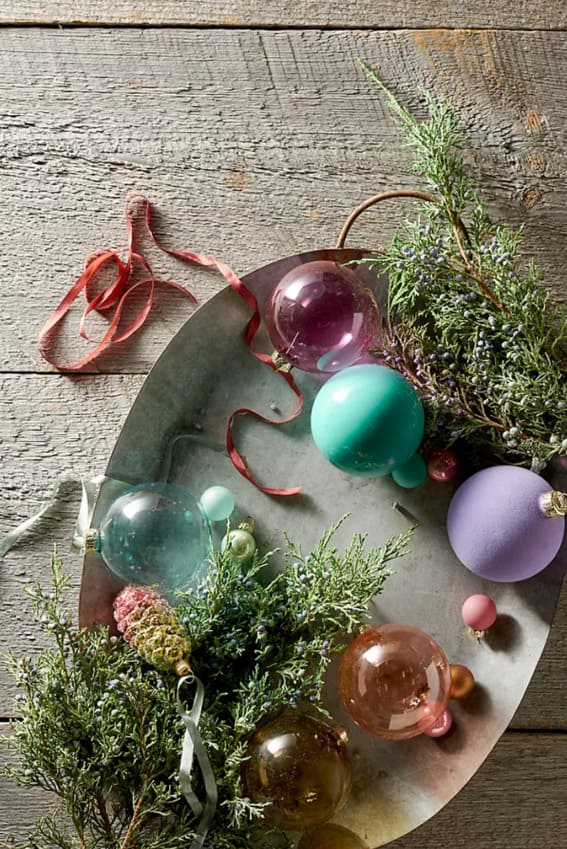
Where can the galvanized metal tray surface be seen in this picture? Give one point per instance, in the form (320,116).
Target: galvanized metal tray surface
(205,373)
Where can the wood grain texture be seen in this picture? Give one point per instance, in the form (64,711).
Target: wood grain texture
(51,428)
(530,14)
(524,773)
(253,144)
(253,157)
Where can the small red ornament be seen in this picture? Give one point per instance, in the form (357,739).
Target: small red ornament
(443,465)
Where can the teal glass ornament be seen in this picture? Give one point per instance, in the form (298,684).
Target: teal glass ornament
(217,502)
(411,474)
(367,420)
(155,534)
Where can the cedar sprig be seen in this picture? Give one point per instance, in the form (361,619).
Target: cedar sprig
(469,322)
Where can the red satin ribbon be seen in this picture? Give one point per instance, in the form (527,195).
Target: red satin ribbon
(236,458)
(116,295)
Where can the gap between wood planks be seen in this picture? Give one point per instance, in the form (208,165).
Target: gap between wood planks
(267,27)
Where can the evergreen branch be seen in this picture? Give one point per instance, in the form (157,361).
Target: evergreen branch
(99,727)
(488,360)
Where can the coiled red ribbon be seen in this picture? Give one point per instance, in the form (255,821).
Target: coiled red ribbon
(116,295)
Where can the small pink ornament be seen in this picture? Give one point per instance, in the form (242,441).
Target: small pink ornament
(442,465)
(479,612)
(442,726)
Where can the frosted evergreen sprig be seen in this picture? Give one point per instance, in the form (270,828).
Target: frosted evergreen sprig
(469,322)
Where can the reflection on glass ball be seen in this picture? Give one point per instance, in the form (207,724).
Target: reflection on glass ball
(331,836)
(156,533)
(320,318)
(394,681)
(301,767)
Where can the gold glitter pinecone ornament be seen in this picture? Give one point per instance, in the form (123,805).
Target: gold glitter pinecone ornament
(150,625)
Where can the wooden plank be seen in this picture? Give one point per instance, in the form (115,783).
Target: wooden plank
(253,157)
(523,782)
(52,427)
(55,427)
(529,14)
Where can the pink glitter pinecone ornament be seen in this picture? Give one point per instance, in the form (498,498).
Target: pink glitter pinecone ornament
(150,625)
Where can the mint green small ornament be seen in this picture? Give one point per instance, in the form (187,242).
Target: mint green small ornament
(367,420)
(411,474)
(217,503)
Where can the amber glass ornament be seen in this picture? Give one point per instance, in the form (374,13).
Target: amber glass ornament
(394,681)
(300,766)
(462,681)
(331,836)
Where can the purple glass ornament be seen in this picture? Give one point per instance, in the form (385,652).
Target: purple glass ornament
(320,318)
(498,528)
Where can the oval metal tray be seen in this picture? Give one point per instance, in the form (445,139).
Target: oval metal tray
(205,373)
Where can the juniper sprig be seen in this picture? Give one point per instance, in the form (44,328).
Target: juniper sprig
(98,725)
(469,323)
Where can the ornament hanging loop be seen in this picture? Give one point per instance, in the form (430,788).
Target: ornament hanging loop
(372,201)
(460,233)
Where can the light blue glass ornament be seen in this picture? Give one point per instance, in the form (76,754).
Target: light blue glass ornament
(367,420)
(217,502)
(156,533)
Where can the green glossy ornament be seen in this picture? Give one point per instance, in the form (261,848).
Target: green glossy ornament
(331,836)
(241,542)
(411,474)
(300,766)
(367,420)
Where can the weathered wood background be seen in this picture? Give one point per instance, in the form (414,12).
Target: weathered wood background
(253,131)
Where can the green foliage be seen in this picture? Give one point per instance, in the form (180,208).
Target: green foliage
(99,727)
(469,322)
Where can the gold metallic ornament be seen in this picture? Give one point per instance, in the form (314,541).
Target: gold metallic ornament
(462,681)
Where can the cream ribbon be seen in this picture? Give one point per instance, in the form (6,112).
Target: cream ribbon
(193,747)
(90,489)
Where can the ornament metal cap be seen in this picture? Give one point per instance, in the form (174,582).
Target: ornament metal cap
(248,525)
(280,363)
(91,541)
(182,668)
(554,504)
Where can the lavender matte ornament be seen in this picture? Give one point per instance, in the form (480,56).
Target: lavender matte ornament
(506,523)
